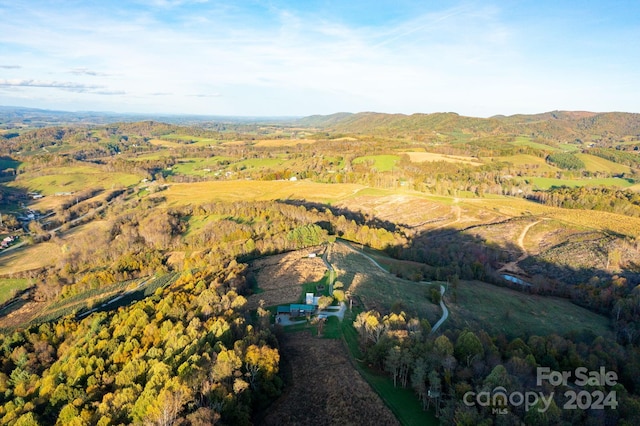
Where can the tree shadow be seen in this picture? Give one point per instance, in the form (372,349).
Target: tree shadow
(357,216)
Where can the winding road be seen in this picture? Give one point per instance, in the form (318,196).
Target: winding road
(513,266)
(445,311)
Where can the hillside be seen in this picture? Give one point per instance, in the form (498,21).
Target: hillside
(557,125)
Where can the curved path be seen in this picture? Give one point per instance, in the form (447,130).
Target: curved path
(445,311)
(513,266)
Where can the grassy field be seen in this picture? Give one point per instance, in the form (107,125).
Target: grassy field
(165,143)
(421,157)
(9,286)
(75,178)
(526,141)
(517,314)
(199,166)
(30,257)
(27,258)
(198,141)
(382,163)
(531,161)
(546,183)
(380,290)
(597,164)
(237,190)
(151,156)
(7,163)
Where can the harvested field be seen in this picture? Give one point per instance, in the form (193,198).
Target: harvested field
(280,277)
(323,387)
(421,157)
(284,142)
(20,312)
(406,209)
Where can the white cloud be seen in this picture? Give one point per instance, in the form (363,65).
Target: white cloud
(221,61)
(86,71)
(65,85)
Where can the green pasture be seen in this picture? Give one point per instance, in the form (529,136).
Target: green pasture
(10,286)
(598,164)
(517,313)
(382,163)
(526,141)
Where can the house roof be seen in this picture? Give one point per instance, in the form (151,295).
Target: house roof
(303,308)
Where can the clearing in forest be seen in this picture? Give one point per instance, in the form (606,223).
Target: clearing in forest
(280,277)
(323,388)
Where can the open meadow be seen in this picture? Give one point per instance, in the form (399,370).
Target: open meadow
(381,290)
(516,313)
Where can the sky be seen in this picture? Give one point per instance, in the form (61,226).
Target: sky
(304,57)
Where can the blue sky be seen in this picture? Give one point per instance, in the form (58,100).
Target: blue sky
(295,58)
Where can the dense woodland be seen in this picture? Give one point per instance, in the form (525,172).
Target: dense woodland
(191,352)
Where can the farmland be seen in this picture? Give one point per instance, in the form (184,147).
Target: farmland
(280,278)
(515,313)
(420,157)
(339,396)
(71,179)
(381,163)
(598,164)
(10,286)
(200,192)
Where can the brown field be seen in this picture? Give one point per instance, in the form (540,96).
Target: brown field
(590,219)
(21,313)
(236,143)
(406,209)
(239,190)
(29,257)
(421,157)
(43,254)
(324,388)
(283,142)
(281,276)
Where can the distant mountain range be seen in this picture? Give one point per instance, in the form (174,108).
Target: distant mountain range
(561,125)
(554,125)
(11,115)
